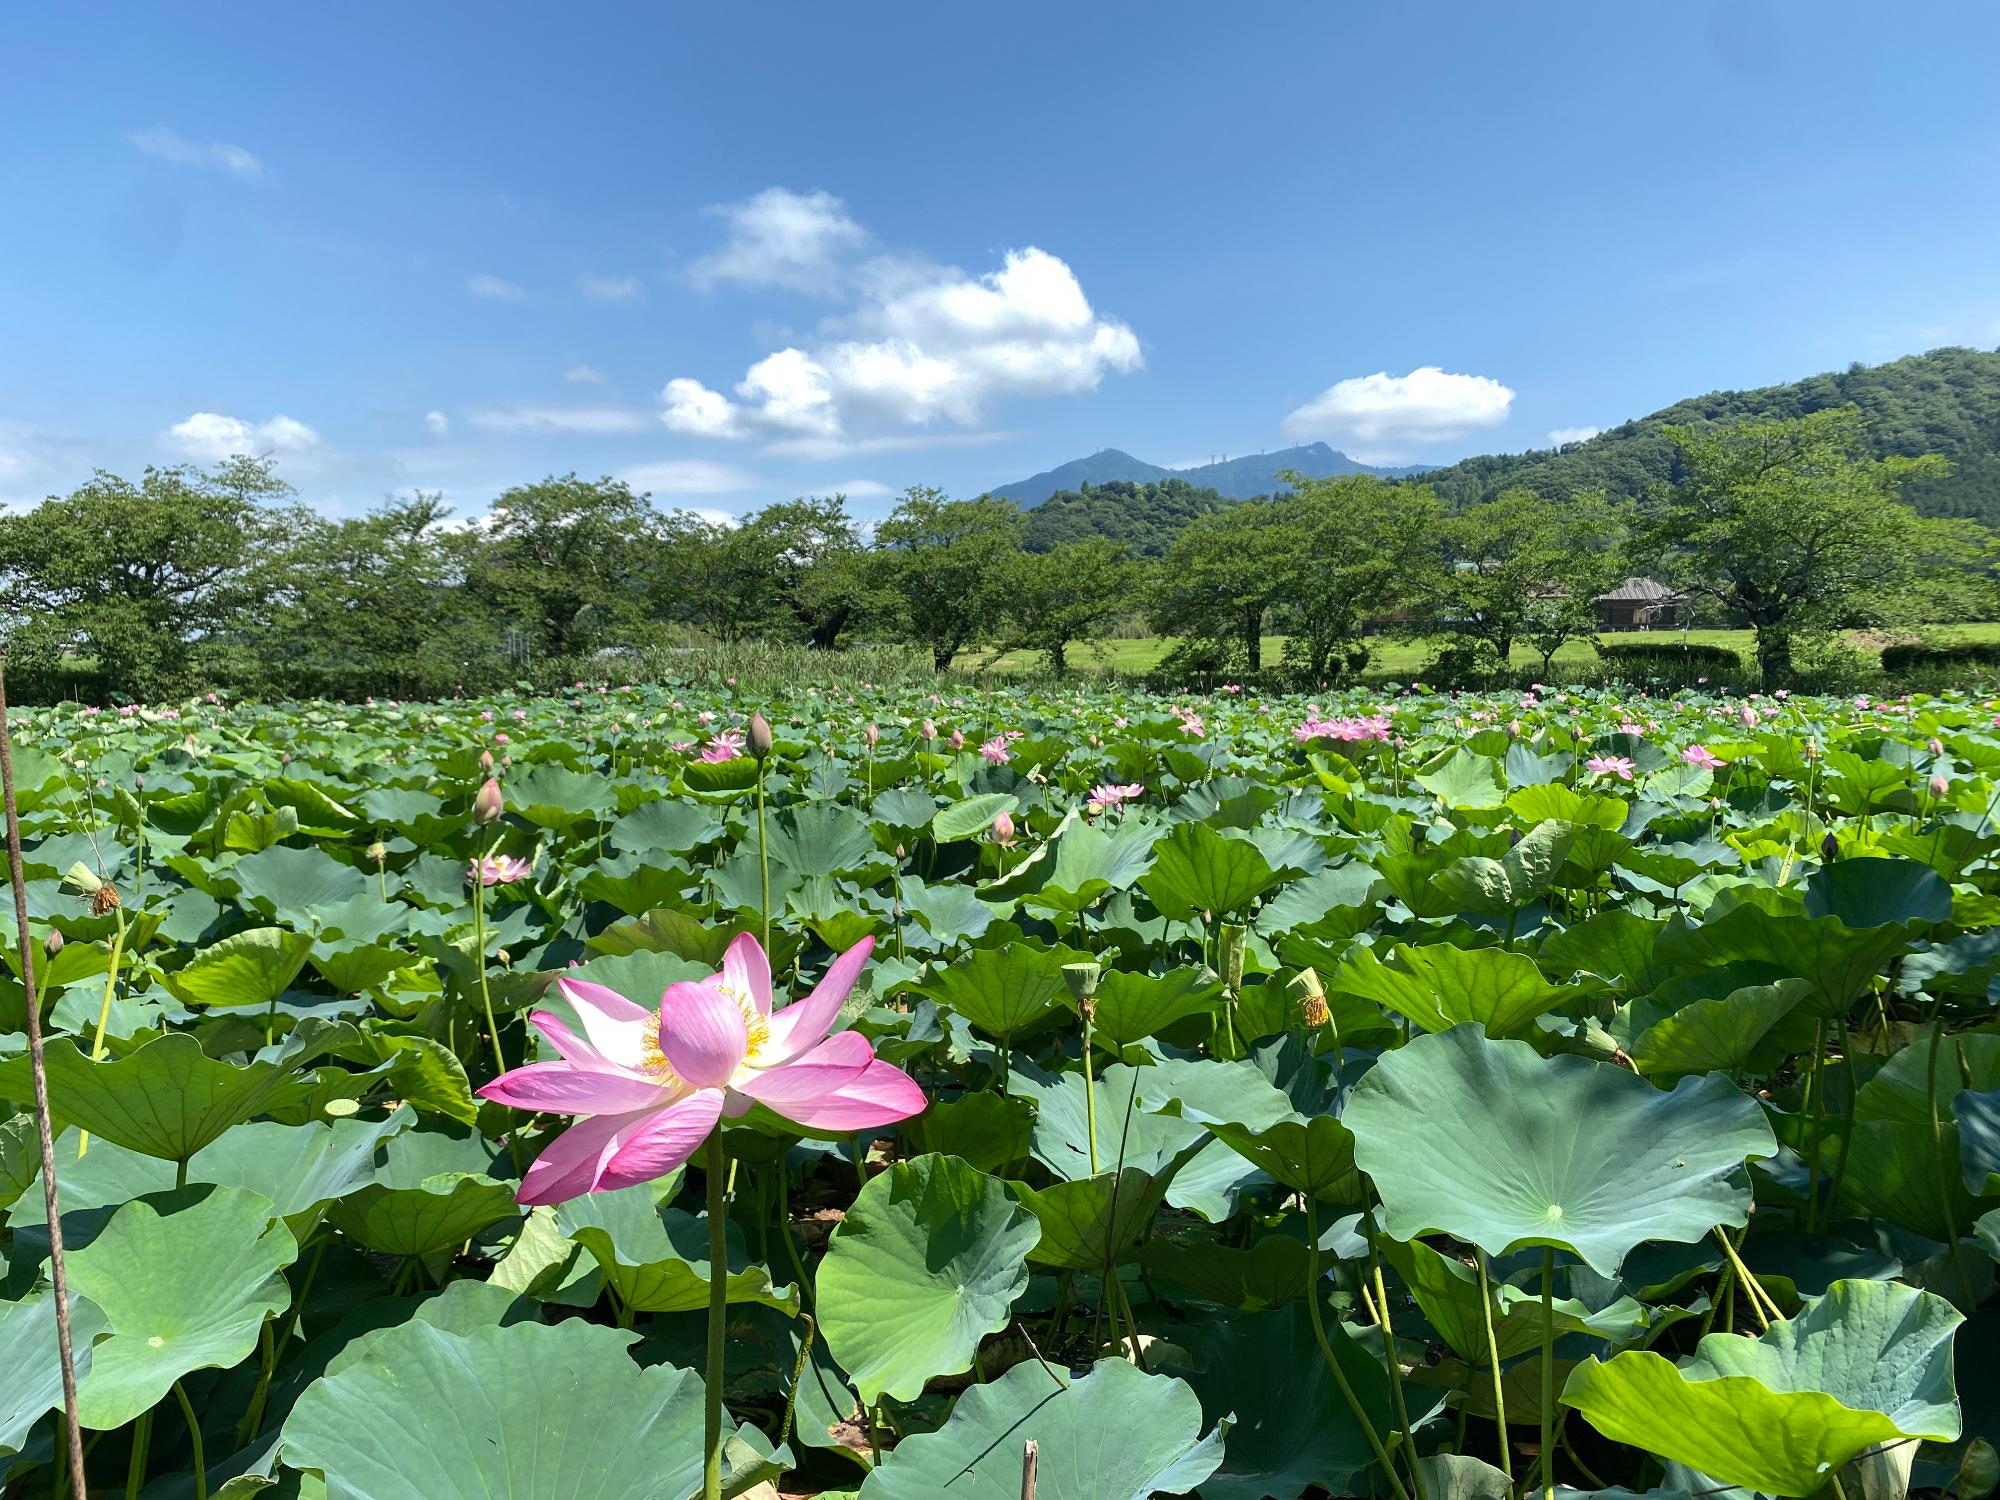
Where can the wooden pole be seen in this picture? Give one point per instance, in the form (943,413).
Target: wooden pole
(38,1066)
(1031,1458)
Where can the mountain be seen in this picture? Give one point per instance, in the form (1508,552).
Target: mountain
(1945,402)
(1232,478)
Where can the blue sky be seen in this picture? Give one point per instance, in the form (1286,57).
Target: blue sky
(738,253)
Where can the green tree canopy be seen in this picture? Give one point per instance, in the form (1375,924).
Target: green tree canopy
(1526,567)
(946,564)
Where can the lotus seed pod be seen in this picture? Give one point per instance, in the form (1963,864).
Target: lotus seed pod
(1310,995)
(378,852)
(1082,979)
(487,805)
(759,736)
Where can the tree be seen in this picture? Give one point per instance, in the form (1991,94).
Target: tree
(1066,594)
(1219,578)
(1356,548)
(568,560)
(816,563)
(946,564)
(145,577)
(1790,525)
(1528,567)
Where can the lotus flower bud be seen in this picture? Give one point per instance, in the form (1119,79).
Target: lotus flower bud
(1935,745)
(1514,728)
(871,734)
(1829,848)
(1003,828)
(1311,997)
(930,730)
(1940,784)
(758,738)
(487,805)
(1747,717)
(486,762)
(53,943)
(957,739)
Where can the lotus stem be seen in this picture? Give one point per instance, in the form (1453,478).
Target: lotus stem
(1333,1363)
(104,1011)
(1493,1359)
(718,1318)
(1548,1373)
(764,858)
(479,927)
(799,1367)
(1395,1365)
(1750,1283)
(142,1440)
(194,1437)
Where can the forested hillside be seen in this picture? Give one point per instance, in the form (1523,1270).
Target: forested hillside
(1945,402)
(1144,517)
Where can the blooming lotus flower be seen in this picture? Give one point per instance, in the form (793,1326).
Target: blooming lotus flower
(995,751)
(1610,765)
(648,1086)
(726,745)
(499,869)
(1703,758)
(1112,794)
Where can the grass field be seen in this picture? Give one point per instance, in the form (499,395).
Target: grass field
(1392,656)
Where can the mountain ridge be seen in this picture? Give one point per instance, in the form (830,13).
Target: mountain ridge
(1232,478)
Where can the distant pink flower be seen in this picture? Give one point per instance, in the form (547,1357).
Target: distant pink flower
(872,734)
(1610,765)
(1372,727)
(1702,758)
(930,730)
(995,751)
(1940,784)
(1111,794)
(501,738)
(1191,725)
(1003,827)
(500,869)
(648,1086)
(725,745)
(957,740)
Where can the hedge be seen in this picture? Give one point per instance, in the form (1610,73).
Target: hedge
(1916,656)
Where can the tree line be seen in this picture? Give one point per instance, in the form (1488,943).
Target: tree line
(216,577)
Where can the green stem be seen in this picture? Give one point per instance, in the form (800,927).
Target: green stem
(1847,1135)
(479,921)
(1816,1090)
(1332,1362)
(1089,1087)
(718,1319)
(1548,1373)
(142,1441)
(798,1374)
(1395,1365)
(194,1437)
(1493,1359)
(1937,1155)
(104,1012)
(763,858)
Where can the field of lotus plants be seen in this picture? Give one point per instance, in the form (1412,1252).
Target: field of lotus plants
(642,1093)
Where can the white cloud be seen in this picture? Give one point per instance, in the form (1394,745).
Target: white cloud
(1385,412)
(498,289)
(923,346)
(1560,436)
(688,476)
(857,489)
(781,238)
(437,424)
(169,145)
(576,372)
(585,419)
(609,288)
(210,437)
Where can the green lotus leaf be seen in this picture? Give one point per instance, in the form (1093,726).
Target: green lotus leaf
(1131,1007)
(991,1131)
(1877,892)
(556,797)
(656,1259)
(1837,960)
(1754,1028)
(1868,1363)
(972,817)
(822,839)
(1475,883)
(1511,1164)
(1115,1433)
(1292,1427)
(185,1280)
(1061,1134)
(1978,1117)
(1311,1154)
(1087,1222)
(288,883)
(1002,991)
(30,1369)
(1439,986)
(245,968)
(525,1411)
(167,1099)
(665,825)
(930,1258)
(431,1191)
(1089,863)
(1269,1274)
(1196,870)
(1463,779)
(1447,1292)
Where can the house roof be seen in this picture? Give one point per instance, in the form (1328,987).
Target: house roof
(1638,591)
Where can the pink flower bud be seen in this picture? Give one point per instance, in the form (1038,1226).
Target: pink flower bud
(958,738)
(1748,717)
(1940,784)
(1935,746)
(486,761)
(871,734)
(487,805)
(1003,828)
(759,737)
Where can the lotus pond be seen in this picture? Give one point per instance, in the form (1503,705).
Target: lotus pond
(1415,1097)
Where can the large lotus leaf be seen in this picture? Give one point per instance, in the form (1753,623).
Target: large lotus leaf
(1616,945)
(1351,890)
(30,1370)
(656,1260)
(1210,1091)
(1309,1154)
(973,816)
(1269,1274)
(1439,986)
(1130,1007)
(167,1099)
(1061,1134)
(286,882)
(1870,1363)
(245,968)
(1837,960)
(1447,1292)
(1002,991)
(665,824)
(522,1412)
(1877,892)
(1554,1151)
(556,797)
(1463,779)
(1751,1029)
(1085,1223)
(1197,870)
(432,1191)
(1978,1117)
(1293,1428)
(1115,1433)
(990,1131)
(185,1280)
(950,914)
(821,839)
(929,1260)
(1476,883)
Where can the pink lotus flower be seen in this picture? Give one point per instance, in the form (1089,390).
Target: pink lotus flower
(1940,785)
(958,739)
(1703,758)
(1003,828)
(1111,794)
(726,745)
(500,869)
(1610,765)
(647,1086)
(995,751)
